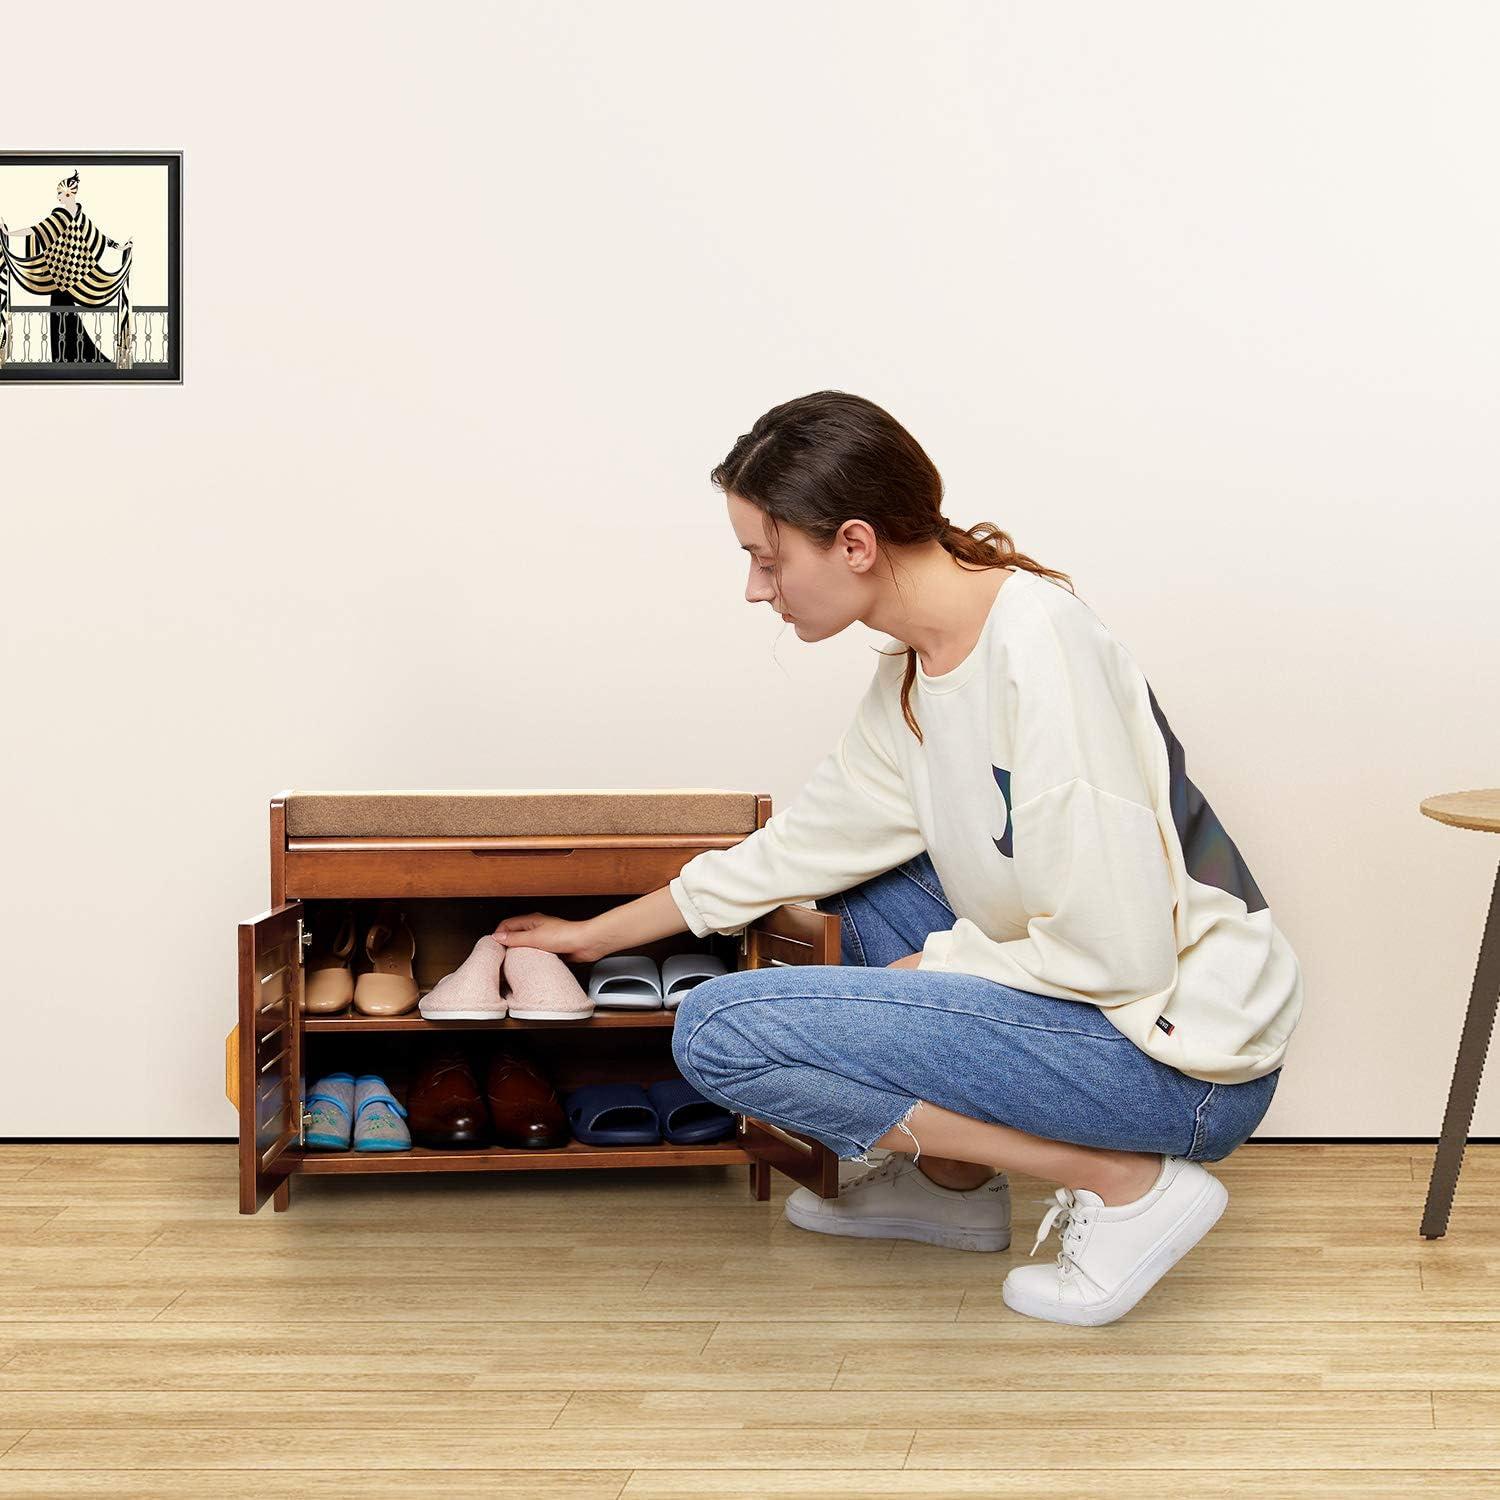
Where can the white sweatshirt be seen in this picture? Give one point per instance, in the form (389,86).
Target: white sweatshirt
(1053,800)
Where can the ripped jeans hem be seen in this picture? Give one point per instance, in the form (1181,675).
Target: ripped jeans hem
(897,1124)
(846,1148)
(835,1143)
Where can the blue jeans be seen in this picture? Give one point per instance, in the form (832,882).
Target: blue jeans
(843,1052)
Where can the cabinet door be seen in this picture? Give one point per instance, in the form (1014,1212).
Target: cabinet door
(790,935)
(270,1051)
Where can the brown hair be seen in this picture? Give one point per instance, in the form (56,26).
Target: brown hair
(823,459)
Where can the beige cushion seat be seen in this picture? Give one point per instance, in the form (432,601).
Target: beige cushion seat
(572,812)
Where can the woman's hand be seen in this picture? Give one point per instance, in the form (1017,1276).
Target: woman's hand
(575,940)
(909,962)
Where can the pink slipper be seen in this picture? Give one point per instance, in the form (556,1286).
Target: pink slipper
(472,991)
(542,987)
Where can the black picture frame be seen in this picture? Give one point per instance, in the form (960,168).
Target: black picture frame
(156,343)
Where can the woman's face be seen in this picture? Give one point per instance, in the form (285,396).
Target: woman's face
(821,592)
(66,194)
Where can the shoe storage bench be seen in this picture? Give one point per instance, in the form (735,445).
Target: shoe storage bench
(457,863)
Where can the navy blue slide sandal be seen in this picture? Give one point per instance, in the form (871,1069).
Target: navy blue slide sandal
(613,1114)
(687,1118)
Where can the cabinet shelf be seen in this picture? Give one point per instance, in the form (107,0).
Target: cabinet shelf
(574,1155)
(412,1021)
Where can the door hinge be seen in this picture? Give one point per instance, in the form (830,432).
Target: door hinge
(304,939)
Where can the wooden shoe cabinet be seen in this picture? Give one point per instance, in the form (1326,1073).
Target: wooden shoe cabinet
(456,863)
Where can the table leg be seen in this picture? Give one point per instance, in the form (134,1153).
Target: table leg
(1472,1047)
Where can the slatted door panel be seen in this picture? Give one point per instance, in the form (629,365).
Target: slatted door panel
(270,1050)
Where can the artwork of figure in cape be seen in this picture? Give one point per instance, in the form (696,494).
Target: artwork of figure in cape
(73,251)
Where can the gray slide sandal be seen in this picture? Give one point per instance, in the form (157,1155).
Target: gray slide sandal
(681,971)
(625,981)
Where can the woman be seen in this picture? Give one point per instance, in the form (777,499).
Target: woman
(1055,960)
(63,257)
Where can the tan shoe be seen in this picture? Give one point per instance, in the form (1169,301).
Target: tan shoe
(388,987)
(328,975)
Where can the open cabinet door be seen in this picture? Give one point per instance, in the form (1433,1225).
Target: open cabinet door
(790,935)
(270,1051)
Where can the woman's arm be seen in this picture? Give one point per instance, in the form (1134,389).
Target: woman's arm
(629,926)
(852,820)
(621,928)
(636,922)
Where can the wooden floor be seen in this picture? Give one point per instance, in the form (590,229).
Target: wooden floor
(639,1334)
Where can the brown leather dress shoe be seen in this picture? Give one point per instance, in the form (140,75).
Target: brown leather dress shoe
(523,1104)
(444,1107)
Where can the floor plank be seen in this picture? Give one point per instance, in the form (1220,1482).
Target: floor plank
(636,1335)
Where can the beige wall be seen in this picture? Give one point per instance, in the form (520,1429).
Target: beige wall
(1197,301)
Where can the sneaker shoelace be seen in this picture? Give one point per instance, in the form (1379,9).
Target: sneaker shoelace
(877,1173)
(1069,1216)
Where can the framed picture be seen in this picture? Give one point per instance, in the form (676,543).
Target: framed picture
(90,265)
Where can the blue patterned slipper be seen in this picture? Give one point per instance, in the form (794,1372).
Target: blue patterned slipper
(330,1107)
(379,1123)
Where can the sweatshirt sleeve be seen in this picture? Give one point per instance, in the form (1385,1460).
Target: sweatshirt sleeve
(851,821)
(1095,877)
(1093,867)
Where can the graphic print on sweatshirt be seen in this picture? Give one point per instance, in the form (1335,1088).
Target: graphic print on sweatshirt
(1003,843)
(1207,850)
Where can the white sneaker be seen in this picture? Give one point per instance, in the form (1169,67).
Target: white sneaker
(896,1200)
(1112,1256)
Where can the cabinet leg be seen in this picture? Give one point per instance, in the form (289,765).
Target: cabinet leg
(760,1181)
(1479,1020)
(281,1198)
